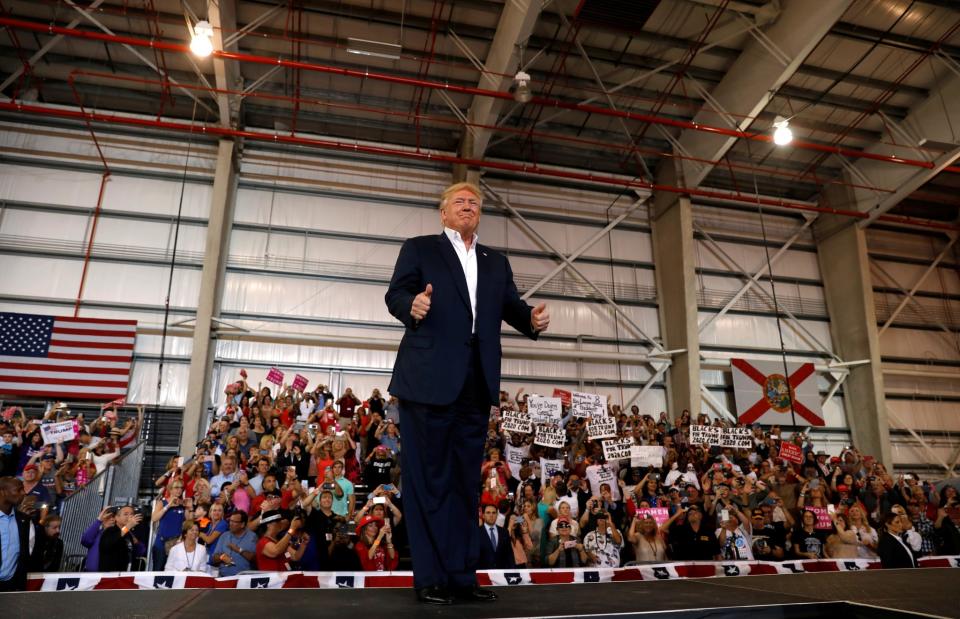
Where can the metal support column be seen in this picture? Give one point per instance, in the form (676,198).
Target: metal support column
(211,292)
(671,221)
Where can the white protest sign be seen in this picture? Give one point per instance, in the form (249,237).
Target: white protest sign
(704,434)
(56,432)
(543,410)
(514,457)
(646,455)
(617,449)
(548,468)
(516,421)
(550,436)
(586,405)
(601,427)
(737,438)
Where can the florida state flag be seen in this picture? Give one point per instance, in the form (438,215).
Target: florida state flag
(764,395)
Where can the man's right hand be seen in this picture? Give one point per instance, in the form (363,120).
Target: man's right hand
(421,303)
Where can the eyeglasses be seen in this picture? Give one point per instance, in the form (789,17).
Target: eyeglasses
(563,526)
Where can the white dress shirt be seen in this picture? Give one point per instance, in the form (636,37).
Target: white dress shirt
(179,560)
(468,260)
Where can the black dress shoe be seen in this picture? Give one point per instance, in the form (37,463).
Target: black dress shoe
(434,595)
(476,593)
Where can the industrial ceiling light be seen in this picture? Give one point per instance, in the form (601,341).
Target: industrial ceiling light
(202,42)
(522,92)
(782,135)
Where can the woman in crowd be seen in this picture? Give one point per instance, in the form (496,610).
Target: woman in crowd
(859,534)
(389,435)
(534,529)
(565,550)
(188,555)
(647,540)
(374,545)
(520,541)
(170,511)
(215,525)
(807,541)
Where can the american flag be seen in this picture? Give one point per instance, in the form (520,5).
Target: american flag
(60,357)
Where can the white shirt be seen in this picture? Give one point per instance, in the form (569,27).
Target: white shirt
(468,260)
(180,560)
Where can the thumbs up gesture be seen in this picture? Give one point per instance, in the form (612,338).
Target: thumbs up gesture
(421,303)
(540,318)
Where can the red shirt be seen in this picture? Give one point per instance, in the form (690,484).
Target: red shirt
(265,563)
(381,561)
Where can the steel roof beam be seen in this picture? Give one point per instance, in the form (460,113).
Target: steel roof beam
(756,76)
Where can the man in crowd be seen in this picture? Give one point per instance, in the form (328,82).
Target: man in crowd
(693,539)
(236,549)
(227,474)
(118,544)
(604,543)
(16,532)
(495,550)
(451,295)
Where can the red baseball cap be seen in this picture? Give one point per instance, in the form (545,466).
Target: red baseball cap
(367,520)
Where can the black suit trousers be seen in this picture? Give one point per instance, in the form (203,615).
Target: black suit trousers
(442,454)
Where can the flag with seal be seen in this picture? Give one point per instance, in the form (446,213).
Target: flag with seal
(765,395)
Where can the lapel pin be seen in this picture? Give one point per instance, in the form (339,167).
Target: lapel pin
(484,253)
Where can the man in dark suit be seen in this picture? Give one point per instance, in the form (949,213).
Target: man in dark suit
(451,294)
(15,527)
(496,552)
(894,552)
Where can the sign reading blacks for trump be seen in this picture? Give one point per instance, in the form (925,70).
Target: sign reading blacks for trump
(601,427)
(768,395)
(617,449)
(550,436)
(516,421)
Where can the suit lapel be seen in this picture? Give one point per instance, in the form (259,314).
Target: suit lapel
(453,263)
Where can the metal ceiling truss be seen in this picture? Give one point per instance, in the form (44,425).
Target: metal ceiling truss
(948,334)
(791,319)
(93,20)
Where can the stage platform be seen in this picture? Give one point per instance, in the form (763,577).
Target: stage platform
(930,591)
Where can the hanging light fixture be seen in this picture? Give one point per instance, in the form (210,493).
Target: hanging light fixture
(521,81)
(202,42)
(782,135)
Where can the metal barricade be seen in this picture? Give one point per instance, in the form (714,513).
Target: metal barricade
(118,484)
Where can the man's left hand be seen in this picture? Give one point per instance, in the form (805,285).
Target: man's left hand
(540,318)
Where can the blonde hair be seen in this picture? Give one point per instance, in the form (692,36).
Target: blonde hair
(454,188)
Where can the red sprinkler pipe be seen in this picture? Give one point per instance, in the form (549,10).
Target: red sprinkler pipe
(93,233)
(326,144)
(470,90)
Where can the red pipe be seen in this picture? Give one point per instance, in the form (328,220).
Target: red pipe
(470,90)
(493,165)
(93,233)
(544,135)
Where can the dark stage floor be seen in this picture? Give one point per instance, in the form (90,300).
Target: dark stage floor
(931,591)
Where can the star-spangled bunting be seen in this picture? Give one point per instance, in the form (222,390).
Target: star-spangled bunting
(370,580)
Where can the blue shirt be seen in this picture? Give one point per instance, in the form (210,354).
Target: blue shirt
(342,505)
(247,541)
(9,544)
(217,481)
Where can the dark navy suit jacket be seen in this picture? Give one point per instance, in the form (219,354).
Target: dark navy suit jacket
(431,364)
(499,559)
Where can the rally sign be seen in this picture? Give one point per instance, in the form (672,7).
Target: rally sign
(550,436)
(737,438)
(516,421)
(122,401)
(587,405)
(544,410)
(792,399)
(617,449)
(57,432)
(791,452)
(646,455)
(824,522)
(275,376)
(659,514)
(601,427)
(299,382)
(548,468)
(705,435)
(564,396)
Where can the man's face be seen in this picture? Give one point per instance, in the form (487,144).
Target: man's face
(12,491)
(236,524)
(490,512)
(338,469)
(229,465)
(30,474)
(326,500)
(461,212)
(263,466)
(124,515)
(53,528)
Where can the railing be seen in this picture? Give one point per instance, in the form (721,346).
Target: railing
(118,484)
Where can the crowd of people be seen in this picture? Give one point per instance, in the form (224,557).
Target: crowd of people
(298,480)
(36,476)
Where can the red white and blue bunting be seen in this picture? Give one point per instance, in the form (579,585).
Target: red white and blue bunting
(370,580)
